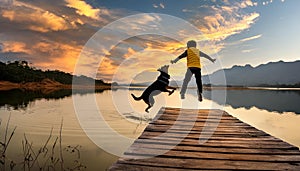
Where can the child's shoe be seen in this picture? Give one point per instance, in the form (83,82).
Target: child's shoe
(182,96)
(200,97)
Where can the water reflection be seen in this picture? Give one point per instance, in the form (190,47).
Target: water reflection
(271,100)
(20,99)
(48,109)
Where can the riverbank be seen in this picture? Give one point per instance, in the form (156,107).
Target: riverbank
(47,84)
(50,85)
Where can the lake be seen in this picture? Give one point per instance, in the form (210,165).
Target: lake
(84,114)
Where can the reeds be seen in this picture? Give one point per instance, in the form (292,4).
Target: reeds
(49,156)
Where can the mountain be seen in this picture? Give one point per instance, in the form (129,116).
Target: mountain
(273,73)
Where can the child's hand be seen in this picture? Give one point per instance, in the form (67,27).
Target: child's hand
(174,61)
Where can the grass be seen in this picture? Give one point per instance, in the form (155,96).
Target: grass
(49,156)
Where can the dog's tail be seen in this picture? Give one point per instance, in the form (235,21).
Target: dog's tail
(136,98)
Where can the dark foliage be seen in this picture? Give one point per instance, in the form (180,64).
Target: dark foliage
(21,72)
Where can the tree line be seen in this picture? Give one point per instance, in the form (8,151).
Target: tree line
(21,72)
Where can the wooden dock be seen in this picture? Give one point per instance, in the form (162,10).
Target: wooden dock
(189,139)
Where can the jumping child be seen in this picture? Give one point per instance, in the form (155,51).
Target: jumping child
(194,67)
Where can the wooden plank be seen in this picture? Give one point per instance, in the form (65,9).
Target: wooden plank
(210,164)
(163,128)
(215,155)
(216,144)
(155,128)
(172,142)
(132,167)
(198,123)
(216,133)
(171,136)
(220,149)
(220,120)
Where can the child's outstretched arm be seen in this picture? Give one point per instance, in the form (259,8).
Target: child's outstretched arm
(183,55)
(207,57)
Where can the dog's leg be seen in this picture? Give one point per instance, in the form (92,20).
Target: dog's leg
(170,91)
(170,87)
(150,103)
(147,109)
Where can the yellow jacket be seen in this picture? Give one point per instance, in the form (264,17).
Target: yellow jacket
(193,57)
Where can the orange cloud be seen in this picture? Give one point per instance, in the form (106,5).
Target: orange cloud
(130,52)
(67,59)
(106,69)
(77,21)
(10,46)
(60,56)
(82,8)
(36,18)
(47,55)
(226,20)
(218,28)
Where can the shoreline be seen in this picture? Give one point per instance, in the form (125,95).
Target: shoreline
(47,84)
(51,85)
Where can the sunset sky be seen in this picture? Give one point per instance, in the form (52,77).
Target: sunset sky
(51,34)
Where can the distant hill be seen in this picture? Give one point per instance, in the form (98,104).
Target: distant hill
(270,74)
(21,72)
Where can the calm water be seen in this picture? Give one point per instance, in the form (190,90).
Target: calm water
(35,113)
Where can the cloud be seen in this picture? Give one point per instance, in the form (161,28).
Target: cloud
(35,18)
(82,8)
(269,2)
(247,3)
(160,5)
(248,50)
(18,47)
(1,47)
(62,57)
(49,34)
(219,28)
(131,57)
(187,10)
(107,69)
(129,53)
(43,54)
(251,38)
(220,20)
(146,60)
(224,21)
(5,3)
(52,34)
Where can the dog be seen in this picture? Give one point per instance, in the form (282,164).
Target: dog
(160,85)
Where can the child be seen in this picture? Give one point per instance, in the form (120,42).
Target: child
(194,67)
